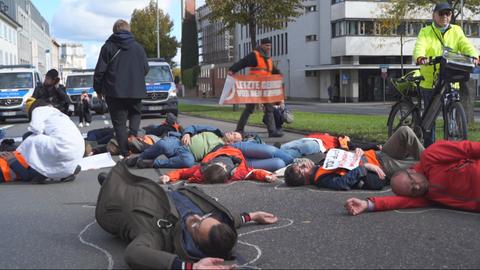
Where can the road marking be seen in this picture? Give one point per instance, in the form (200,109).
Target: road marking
(104,116)
(6,127)
(257,248)
(106,122)
(107,254)
(434,209)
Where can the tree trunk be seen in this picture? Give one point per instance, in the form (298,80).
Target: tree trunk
(401,53)
(467,95)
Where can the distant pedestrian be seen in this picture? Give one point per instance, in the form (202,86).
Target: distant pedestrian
(330,93)
(83,110)
(179,86)
(120,77)
(260,63)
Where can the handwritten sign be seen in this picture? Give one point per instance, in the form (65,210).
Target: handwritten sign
(242,89)
(337,158)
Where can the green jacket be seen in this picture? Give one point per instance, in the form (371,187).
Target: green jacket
(139,211)
(428,45)
(203,143)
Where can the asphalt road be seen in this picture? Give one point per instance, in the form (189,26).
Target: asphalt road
(53,225)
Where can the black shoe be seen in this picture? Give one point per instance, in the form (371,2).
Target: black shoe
(101,177)
(144,163)
(131,161)
(275,135)
(72,177)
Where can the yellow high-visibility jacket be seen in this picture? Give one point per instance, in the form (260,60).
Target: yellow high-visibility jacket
(428,44)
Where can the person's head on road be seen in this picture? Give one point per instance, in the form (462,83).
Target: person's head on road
(299,172)
(215,173)
(442,14)
(266,45)
(232,137)
(51,78)
(121,26)
(409,183)
(213,238)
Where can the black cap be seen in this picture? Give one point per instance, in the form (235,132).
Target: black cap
(52,74)
(265,41)
(442,6)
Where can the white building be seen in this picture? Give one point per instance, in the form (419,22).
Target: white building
(8,38)
(337,43)
(72,57)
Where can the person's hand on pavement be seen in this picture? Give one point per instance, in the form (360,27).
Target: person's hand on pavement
(376,169)
(263,217)
(186,139)
(271,178)
(164,179)
(212,263)
(356,206)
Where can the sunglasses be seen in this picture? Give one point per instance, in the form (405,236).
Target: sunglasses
(445,12)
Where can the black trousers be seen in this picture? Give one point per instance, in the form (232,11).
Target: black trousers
(121,110)
(269,117)
(84,112)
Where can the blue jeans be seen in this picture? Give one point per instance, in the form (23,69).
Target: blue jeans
(178,155)
(427,96)
(301,147)
(263,156)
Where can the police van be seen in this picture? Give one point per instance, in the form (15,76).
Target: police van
(76,82)
(161,90)
(17,83)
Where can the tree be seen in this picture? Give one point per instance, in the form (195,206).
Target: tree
(253,13)
(189,57)
(396,12)
(144,29)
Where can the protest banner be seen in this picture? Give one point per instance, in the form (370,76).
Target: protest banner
(243,89)
(337,158)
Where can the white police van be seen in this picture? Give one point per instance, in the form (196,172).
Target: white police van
(17,83)
(161,90)
(76,82)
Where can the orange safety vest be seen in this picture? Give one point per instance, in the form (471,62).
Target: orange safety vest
(264,67)
(8,174)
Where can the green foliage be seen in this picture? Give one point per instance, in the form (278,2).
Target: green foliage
(189,77)
(265,13)
(189,57)
(144,27)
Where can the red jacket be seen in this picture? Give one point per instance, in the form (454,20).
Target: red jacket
(242,171)
(453,173)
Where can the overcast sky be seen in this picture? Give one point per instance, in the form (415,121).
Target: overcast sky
(90,21)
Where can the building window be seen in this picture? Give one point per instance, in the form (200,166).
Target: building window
(281,45)
(1,57)
(311,73)
(286,43)
(274,46)
(310,8)
(311,38)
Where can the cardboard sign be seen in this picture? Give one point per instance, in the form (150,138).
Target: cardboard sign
(243,89)
(337,158)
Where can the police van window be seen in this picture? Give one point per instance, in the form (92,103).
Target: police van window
(159,74)
(80,81)
(16,80)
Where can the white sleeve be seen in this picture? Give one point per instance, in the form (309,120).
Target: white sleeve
(37,124)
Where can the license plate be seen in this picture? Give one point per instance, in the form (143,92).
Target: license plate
(71,107)
(155,108)
(7,113)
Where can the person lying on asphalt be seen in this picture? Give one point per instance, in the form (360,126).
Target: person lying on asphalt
(220,166)
(373,172)
(448,174)
(176,229)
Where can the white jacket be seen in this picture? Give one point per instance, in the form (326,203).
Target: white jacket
(56,146)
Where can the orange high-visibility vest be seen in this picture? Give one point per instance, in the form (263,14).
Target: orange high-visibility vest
(8,174)
(263,68)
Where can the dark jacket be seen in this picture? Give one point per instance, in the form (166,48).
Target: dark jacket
(55,95)
(250,60)
(122,76)
(139,211)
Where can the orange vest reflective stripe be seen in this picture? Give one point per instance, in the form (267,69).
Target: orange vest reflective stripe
(321,171)
(5,170)
(176,126)
(371,157)
(21,159)
(263,67)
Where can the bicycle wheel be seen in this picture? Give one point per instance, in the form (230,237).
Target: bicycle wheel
(455,125)
(403,113)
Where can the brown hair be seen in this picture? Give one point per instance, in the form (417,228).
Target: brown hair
(121,25)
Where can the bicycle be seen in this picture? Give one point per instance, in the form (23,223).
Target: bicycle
(454,68)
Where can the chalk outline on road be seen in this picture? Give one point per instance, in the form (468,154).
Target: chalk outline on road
(257,248)
(107,254)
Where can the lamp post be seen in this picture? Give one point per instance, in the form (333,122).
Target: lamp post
(158,32)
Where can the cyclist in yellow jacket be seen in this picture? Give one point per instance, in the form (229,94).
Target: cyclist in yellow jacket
(431,41)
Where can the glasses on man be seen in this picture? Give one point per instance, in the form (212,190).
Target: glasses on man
(445,13)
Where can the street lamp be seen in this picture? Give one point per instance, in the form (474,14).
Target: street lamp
(158,33)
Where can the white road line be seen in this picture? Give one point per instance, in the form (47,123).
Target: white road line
(257,248)
(6,127)
(107,254)
(434,209)
(104,116)
(106,122)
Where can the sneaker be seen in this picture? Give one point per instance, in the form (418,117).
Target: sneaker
(80,124)
(131,161)
(144,163)
(275,135)
(87,124)
(101,177)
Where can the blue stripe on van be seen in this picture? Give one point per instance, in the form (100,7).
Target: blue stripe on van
(13,93)
(78,91)
(158,87)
